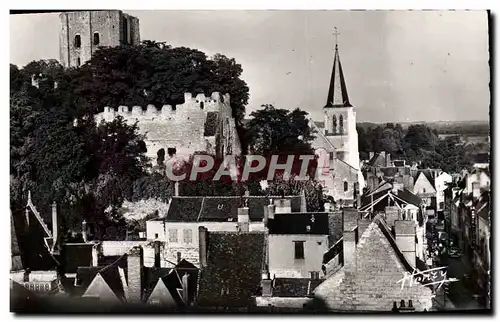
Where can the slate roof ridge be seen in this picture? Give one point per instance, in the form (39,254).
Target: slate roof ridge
(107,275)
(380,223)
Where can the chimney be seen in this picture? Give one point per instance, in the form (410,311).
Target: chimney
(176,189)
(124,281)
(388,162)
(391,215)
(157,262)
(185,288)
(303,201)
(243,219)
(267,285)
(135,262)
(269,212)
(54,226)
(397,186)
(84,231)
(283,206)
(405,239)
(95,255)
(350,218)
(202,237)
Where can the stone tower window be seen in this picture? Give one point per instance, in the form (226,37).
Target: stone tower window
(125,30)
(78,61)
(97,39)
(78,41)
(341,124)
(202,105)
(334,124)
(346,186)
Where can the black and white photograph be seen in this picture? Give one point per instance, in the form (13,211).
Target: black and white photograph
(250,161)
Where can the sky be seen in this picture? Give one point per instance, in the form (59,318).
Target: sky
(399,66)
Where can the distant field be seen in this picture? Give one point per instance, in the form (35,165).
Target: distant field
(469,139)
(475,130)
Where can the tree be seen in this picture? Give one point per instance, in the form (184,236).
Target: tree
(83,167)
(419,137)
(274,131)
(154,73)
(313,191)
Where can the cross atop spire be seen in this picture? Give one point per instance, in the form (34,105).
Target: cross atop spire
(337,92)
(336,33)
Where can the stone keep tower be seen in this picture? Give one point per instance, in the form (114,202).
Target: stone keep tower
(83,32)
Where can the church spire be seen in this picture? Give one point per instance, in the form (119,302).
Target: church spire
(337,92)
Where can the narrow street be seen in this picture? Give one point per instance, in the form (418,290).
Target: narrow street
(461,296)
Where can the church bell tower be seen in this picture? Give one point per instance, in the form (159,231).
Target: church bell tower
(340,117)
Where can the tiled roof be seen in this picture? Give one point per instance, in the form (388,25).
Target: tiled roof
(334,250)
(16,263)
(31,242)
(84,277)
(172,279)
(234,263)
(378,160)
(389,171)
(300,223)
(335,227)
(409,197)
(294,287)
(76,255)
(320,124)
(373,284)
(184,209)
(367,199)
(150,276)
(220,209)
(430,175)
(190,209)
(111,276)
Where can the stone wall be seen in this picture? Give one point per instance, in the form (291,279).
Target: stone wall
(183,126)
(140,209)
(293,302)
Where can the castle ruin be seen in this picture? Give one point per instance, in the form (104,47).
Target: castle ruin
(201,124)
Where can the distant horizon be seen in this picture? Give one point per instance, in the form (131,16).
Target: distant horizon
(398,65)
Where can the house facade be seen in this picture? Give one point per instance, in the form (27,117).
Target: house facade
(297,244)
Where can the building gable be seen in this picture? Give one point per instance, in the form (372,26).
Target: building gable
(161,295)
(423,185)
(100,289)
(374,284)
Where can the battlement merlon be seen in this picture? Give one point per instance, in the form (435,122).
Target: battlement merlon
(214,102)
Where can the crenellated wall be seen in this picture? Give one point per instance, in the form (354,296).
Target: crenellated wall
(183,126)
